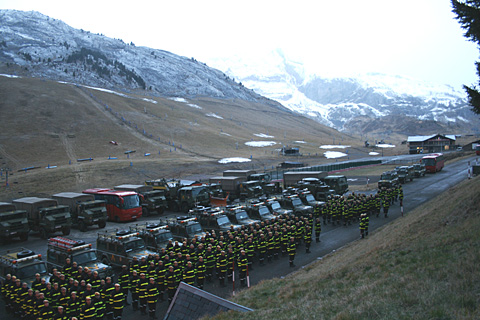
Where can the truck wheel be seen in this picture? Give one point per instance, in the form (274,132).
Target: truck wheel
(105,261)
(102,224)
(160,210)
(82,226)
(43,233)
(24,236)
(66,231)
(145,212)
(184,207)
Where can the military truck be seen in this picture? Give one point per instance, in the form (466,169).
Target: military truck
(259,211)
(13,223)
(155,235)
(238,215)
(152,201)
(317,188)
(184,227)
(388,179)
(118,248)
(263,177)
(23,264)
(60,248)
(309,200)
(84,209)
(292,177)
(45,215)
(182,195)
(294,203)
(213,219)
(275,207)
(405,173)
(239,173)
(419,169)
(338,183)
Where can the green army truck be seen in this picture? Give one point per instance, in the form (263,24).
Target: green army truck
(294,203)
(405,173)
(152,201)
(259,210)
(317,188)
(45,215)
(338,183)
(182,195)
(388,179)
(84,209)
(23,264)
(184,227)
(13,223)
(213,219)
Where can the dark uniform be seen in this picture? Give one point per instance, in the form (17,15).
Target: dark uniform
(152,294)
(117,302)
(142,293)
(291,249)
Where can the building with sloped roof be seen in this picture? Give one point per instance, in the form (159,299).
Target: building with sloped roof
(431,143)
(190,303)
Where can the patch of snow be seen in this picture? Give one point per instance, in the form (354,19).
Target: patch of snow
(334,154)
(226,134)
(178,99)
(9,76)
(194,106)
(299,141)
(263,135)
(260,143)
(352,179)
(213,115)
(150,100)
(385,145)
(234,159)
(334,147)
(373,153)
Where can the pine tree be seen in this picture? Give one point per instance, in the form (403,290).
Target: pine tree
(468,14)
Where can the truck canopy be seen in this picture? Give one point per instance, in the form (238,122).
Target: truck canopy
(72,198)
(138,188)
(33,205)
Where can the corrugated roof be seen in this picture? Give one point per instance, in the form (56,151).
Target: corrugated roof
(192,303)
(425,138)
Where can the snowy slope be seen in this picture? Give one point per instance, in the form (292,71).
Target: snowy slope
(339,101)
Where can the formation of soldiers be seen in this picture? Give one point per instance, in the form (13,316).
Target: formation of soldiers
(78,293)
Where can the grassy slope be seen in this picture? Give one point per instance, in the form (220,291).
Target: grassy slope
(422,266)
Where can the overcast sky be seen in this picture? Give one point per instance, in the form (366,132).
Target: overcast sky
(415,38)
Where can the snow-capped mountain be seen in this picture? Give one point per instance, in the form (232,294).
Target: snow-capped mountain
(36,45)
(353,104)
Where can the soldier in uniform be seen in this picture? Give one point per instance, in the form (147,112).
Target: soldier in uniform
(134,289)
(291,249)
(243,266)
(124,282)
(200,270)
(117,302)
(142,293)
(152,294)
(171,283)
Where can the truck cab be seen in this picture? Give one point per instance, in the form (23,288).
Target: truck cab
(309,200)
(118,248)
(276,208)
(60,248)
(214,219)
(337,182)
(238,215)
(294,203)
(388,179)
(84,209)
(23,264)
(45,215)
(155,235)
(259,211)
(184,227)
(13,223)
(405,173)
(419,169)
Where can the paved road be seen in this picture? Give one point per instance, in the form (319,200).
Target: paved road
(332,238)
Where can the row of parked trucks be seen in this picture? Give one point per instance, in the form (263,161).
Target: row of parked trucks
(95,206)
(401,175)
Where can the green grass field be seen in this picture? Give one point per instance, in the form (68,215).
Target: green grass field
(422,266)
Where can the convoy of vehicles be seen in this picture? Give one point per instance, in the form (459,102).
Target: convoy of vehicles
(13,223)
(84,209)
(121,205)
(45,215)
(60,248)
